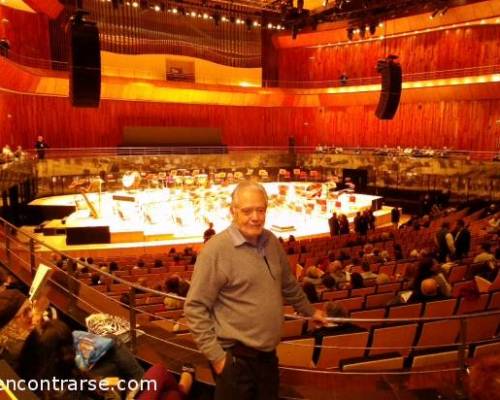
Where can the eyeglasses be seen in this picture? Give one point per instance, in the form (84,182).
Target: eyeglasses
(250,210)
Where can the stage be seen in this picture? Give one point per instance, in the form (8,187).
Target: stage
(170,216)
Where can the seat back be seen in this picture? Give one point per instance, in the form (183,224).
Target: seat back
(362,291)
(466,305)
(442,308)
(457,274)
(494,303)
(440,333)
(378,300)
(405,311)
(387,269)
(292,328)
(482,328)
(351,304)
(426,360)
(296,353)
(393,339)
(383,364)
(378,313)
(330,295)
(340,347)
(487,349)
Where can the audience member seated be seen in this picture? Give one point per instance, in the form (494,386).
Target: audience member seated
(367,273)
(428,290)
(11,301)
(183,288)
(54,341)
(90,262)
(335,269)
(172,288)
(158,263)
(332,310)
(311,293)
(113,266)
(398,252)
(328,281)
(356,281)
(177,259)
(494,225)
(95,279)
(382,279)
(429,268)
(486,255)
(312,275)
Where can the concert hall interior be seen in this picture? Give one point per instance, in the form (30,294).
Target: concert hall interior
(372,125)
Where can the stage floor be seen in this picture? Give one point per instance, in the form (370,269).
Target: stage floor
(159,217)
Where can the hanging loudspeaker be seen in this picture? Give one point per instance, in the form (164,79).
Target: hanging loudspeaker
(392,79)
(85,63)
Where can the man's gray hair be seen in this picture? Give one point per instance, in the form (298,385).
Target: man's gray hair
(246,185)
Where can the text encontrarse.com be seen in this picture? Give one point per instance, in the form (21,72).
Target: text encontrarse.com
(76,385)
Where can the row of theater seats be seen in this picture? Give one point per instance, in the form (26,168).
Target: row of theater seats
(408,343)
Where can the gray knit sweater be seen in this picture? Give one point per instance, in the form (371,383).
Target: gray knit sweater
(236,296)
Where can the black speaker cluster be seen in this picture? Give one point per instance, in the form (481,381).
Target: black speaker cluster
(85,62)
(392,81)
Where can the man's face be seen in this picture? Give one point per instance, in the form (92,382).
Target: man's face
(249,213)
(40,138)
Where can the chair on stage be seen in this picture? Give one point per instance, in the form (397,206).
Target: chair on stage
(283,175)
(263,175)
(314,176)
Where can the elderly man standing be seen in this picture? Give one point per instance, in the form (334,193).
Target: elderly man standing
(235,305)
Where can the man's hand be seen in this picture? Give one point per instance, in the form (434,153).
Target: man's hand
(219,365)
(319,318)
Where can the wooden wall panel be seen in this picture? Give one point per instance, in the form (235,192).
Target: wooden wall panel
(52,8)
(28,34)
(427,52)
(457,124)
